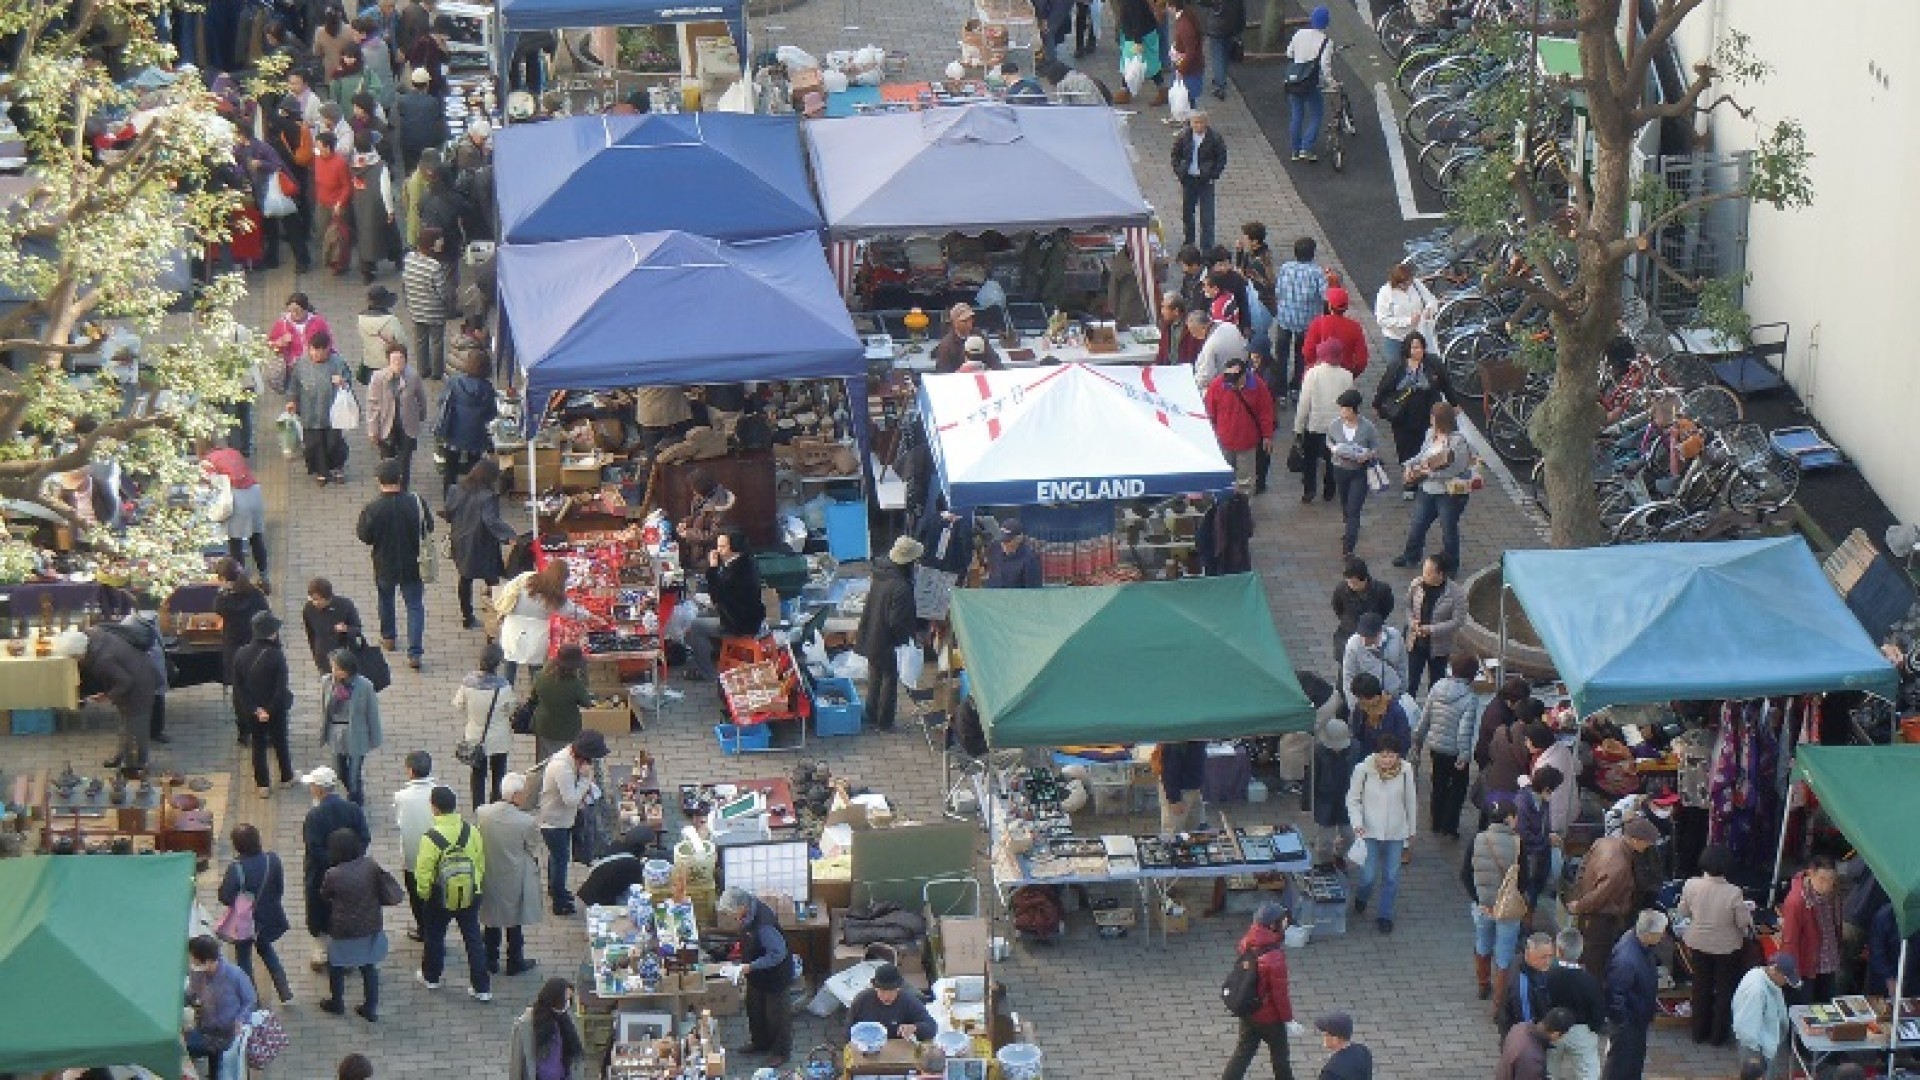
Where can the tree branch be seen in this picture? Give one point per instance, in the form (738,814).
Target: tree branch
(1643,241)
(33,470)
(30,345)
(1665,24)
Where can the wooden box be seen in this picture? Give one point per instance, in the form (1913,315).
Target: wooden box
(580,477)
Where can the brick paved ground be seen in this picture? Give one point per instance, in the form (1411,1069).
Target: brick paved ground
(1102,1008)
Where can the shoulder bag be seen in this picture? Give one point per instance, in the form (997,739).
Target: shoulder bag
(220,500)
(474,754)
(1510,903)
(521,721)
(236,924)
(429,558)
(1303,76)
(391,893)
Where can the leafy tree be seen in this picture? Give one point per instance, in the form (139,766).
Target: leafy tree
(88,241)
(1573,225)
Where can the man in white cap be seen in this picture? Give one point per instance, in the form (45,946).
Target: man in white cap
(885,625)
(952,350)
(420,120)
(119,673)
(330,811)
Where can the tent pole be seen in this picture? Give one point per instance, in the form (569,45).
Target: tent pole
(1780,848)
(1893,1027)
(533,478)
(1503,632)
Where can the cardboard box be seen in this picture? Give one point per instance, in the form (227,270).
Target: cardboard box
(963,945)
(806,81)
(603,678)
(722,998)
(546,464)
(1175,924)
(616,720)
(580,477)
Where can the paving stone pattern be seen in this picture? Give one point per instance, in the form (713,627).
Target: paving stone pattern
(1120,1009)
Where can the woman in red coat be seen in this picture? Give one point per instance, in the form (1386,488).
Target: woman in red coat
(1268,1024)
(1810,929)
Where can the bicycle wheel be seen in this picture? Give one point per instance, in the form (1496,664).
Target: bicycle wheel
(1712,406)
(1338,150)
(1454,76)
(1464,355)
(1463,311)
(1653,522)
(1686,371)
(1616,499)
(1507,427)
(1762,481)
(1455,171)
(1417,60)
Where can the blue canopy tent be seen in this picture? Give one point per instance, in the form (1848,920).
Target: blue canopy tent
(667,308)
(1659,622)
(723,175)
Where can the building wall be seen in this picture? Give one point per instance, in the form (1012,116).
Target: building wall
(1843,271)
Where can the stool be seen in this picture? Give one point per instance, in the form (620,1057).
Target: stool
(738,651)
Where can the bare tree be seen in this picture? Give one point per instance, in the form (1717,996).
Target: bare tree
(1573,224)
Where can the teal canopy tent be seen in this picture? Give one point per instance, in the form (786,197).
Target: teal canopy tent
(1660,622)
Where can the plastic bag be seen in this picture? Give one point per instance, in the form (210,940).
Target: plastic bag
(291,436)
(344,413)
(911,661)
(277,204)
(1357,854)
(1133,66)
(1178,103)
(848,665)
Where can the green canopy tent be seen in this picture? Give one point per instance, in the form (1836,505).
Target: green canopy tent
(1870,795)
(93,961)
(1144,662)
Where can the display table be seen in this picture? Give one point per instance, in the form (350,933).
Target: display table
(160,817)
(1812,1046)
(39,682)
(615,945)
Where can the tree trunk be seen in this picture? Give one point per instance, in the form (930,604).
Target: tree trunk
(1568,422)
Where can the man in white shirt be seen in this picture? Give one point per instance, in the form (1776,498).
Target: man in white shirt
(1219,343)
(413,816)
(1760,1007)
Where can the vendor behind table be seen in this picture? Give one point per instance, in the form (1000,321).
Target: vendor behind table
(886,1003)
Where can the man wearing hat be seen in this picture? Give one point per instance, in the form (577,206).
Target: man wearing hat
(420,120)
(1760,1007)
(116,672)
(904,1015)
(886,625)
(1268,1023)
(1335,325)
(1335,756)
(330,811)
(1605,897)
(1347,1060)
(952,351)
(1013,563)
(564,786)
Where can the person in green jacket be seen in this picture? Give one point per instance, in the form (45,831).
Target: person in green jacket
(558,695)
(449,837)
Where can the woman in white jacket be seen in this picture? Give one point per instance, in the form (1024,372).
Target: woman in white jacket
(485,701)
(1400,307)
(1385,815)
(527,604)
(1320,389)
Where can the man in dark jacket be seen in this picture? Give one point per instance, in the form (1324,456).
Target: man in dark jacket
(1523,1056)
(331,621)
(1199,158)
(1013,563)
(114,670)
(887,624)
(1573,988)
(420,123)
(1356,595)
(330,811)
(1335,755)
(733,581)
(1268,1023)
(1347,1060)
(396,525)
(1225,21)
(888,1004)
(1632,985)
(1521,994)
(764,950)
(1183,772)
(263,698)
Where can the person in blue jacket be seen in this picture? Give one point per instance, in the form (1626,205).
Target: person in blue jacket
(1632,986)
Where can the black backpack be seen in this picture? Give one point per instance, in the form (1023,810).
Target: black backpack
(1240,993)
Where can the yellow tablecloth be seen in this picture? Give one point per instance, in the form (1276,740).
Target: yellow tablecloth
(31,682)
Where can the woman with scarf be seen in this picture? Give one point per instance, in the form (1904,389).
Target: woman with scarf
(546,1045)
(371,205)
(1385,815)
(1810,929)
(349,720)
(257,161)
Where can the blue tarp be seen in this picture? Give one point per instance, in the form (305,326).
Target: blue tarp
(1667,622)
(672,309)
(723,175)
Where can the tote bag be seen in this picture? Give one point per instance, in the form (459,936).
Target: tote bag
(344,413)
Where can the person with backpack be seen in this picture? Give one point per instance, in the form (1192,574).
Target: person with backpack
(1256,993)
(447,876)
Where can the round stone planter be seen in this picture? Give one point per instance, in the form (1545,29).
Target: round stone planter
(1481,631)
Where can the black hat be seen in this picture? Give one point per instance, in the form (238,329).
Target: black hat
(887,977)
(265,624)
(590,745)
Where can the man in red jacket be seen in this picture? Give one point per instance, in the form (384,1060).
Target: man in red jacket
(1268,1024)
(1241,408)
(1336,326)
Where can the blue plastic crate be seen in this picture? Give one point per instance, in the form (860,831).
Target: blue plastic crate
(734,740)
(831,720)
(33,721)
(847,532)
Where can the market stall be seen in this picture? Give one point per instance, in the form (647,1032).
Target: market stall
(93,959)
(608,50)
(718,175)
(912,199)
(1147,662)
(1869,794)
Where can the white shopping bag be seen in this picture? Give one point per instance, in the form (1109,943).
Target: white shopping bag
(1178,103)
(1357,854)
(912,662)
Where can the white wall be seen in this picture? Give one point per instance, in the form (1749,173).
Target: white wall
(1847,268)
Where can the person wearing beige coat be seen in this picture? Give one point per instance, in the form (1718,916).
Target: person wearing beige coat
(512,845)
(1385,814)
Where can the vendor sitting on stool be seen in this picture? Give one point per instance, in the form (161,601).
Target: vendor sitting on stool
(904,1016)
(733,581)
